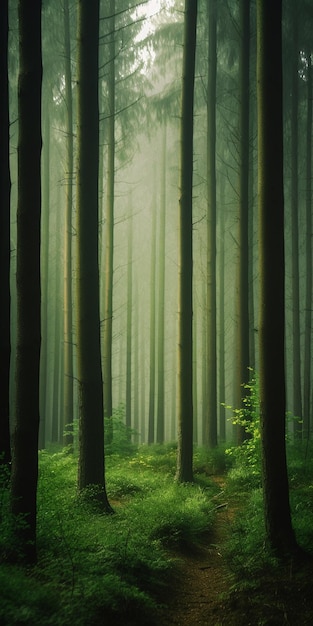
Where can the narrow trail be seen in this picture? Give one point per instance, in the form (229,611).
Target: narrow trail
(199,591)
(196,595)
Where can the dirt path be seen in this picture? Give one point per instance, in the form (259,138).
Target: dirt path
(197,593)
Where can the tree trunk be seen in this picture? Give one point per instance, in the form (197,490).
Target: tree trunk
(45,273)
(210,431)
(129,327)
(296,359)
(91,431)
(152,328)
(308,246)
(5,244)
(109,229)
(243,283)
(68,391)
(161,298)
(279,530)
(185,409)
(25,435)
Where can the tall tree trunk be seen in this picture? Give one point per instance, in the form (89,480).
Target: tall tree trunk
(279,530)
(308,245)
(184,471)
(91,430)
(25,435)
(222,414)
(243,282)
(152,328)
(109,226)
(5,244)
(68,391)
(297,399)
(129,325)
(210,432)
(45,235)
(161,297)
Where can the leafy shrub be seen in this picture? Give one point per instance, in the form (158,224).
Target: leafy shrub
(247,456)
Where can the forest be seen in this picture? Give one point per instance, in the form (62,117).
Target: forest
(156,456)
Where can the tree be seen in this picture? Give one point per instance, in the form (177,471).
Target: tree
(279,530)
(25,434)
(109,215)
(210,426)
(5,190)
(308,282)
(185,408)
(243,288)
(68,410)
(296,348)
(91,429)
(161,296)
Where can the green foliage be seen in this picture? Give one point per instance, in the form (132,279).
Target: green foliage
(122,436)
(247,456)
(94,567)
(247,553)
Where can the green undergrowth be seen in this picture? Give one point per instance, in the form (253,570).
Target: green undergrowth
(95,568)
(246,551)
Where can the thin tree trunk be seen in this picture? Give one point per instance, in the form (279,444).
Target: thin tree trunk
(161,298)
(109,226)
(308,286)
(243,283)
(91,430)
(45,219)
(279,530)
(152,329)
(297,399)
(25,436)
(222,412)
(5,244)
(210,432)
(68,398)
(184,471)
(129,325)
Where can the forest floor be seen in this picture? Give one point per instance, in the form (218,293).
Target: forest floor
(206,592)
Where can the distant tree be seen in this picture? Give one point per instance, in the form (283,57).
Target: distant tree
(25,434)
(91,428)
(109,221)
(210,425)
(68,397)
(160,426)
(184,471)
(129,324)
(5,190)
(244,153)
(309,258)
(279,530)
(151,418)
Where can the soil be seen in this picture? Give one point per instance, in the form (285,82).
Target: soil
(205,592)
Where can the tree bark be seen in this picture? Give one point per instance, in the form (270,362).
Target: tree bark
(279,530)
(91,430)
(25,435)
(68,390)
(109,230)
(210,430)
(5,244)
(296,349)
(308,245)
(185,408)
(243,283)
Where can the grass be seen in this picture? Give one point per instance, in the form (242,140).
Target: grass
(90,564)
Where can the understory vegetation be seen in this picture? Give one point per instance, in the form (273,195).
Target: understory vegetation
(94,568)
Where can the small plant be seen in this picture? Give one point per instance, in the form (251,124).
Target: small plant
(247,456)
